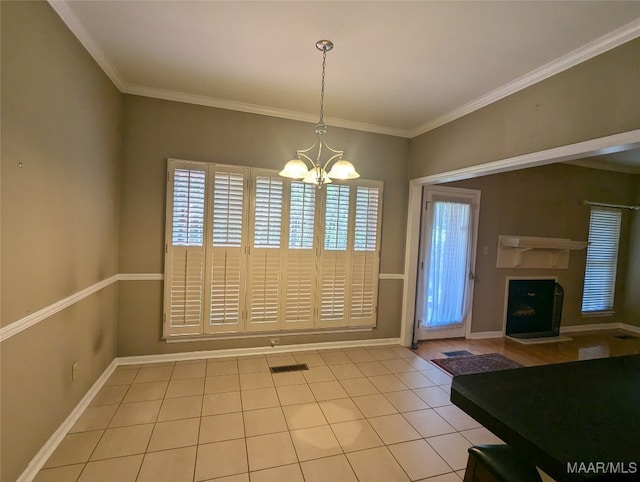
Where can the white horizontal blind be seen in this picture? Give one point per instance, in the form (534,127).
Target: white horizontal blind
(227,259)
(265,257)
(602,259)
(184,264)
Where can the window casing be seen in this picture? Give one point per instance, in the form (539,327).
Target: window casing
(602,258)
(249,251)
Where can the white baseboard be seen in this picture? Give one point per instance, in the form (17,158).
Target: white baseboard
(49,447)
(631,328)
(261,350)
(600,327)
(481,335)
(540,341)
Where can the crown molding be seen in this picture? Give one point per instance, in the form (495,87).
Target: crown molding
(258,109)
(607,42)
(61,7)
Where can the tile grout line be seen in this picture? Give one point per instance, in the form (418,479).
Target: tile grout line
(306,384)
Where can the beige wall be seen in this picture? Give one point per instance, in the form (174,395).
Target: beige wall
(597,98)
(156,130)
(61,120)
(632,300)
(545,201)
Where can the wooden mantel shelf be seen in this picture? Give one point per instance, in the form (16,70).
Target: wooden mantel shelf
(535,252)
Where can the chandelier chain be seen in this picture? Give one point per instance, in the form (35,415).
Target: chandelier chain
(324,63)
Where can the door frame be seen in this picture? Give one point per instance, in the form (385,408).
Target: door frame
(475,217)
(602,145)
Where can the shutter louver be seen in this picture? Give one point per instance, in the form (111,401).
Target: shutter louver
(184,276)
(228,206)
(264,289)
(302,207)
(188,207)
(299,288)
(186,287)
(364,260)
(333,287)
(602,259)
(265,258)
(226,278)
(335,257)
(363,286)
(366,226)
(336,217)
(299,274)
(227,258)
(268,213)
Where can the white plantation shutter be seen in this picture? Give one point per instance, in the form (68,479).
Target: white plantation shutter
(267,231)
(226,296)
(302,212)
(336,224)
(185,290)
(188,207)
(333,289)
(299,274)
(335,259)
(367,215)
(265,255)
(602,260)
(184,265)
(365,257)
(227,258)
(247,251)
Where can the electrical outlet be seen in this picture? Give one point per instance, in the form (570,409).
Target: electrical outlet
(274,341)
(74,370)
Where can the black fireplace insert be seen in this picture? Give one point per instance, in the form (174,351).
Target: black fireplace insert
(534,308)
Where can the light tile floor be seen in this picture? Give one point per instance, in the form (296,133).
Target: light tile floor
(377,414)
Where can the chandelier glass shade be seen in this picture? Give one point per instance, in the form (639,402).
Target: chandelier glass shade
(309,164)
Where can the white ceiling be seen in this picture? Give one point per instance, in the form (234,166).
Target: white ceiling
(399,68)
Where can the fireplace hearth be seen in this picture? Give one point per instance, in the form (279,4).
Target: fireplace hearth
(534,308)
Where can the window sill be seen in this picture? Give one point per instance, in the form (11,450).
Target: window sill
(234,336)
(594,314)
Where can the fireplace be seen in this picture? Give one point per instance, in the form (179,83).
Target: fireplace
(534,308)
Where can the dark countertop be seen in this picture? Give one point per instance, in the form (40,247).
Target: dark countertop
(577,412)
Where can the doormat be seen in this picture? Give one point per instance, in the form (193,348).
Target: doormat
(457,353)
(467,365)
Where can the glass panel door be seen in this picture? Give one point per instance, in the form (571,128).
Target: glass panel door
(447,250)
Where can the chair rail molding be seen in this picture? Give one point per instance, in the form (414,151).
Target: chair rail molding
(32,319)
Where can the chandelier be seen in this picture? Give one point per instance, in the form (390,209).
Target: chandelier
(308,164)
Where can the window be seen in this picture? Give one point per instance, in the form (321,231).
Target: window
(249,251)
(602,258)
